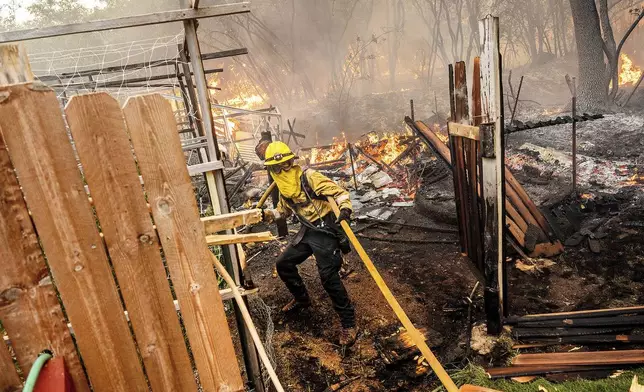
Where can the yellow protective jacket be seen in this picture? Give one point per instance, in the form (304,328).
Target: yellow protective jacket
(314,209)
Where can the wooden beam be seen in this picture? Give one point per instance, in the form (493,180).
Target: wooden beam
(464,130)
(532,333)
(227,293)
(621,357)
(201,168)
(491,231)
(610,321)
(580,313)
(476,92)
(518,371)
(125,22)
(493,152)
(14,65)
(226,239)
(217,223)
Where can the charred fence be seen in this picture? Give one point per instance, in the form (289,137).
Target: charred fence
(492,207)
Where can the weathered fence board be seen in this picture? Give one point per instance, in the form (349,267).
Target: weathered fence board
(29,309)
(14,65)
(158,150)
(38,144)
(9,380)
(218,223)
(97,126)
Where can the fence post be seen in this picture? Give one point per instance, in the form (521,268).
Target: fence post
(493,162)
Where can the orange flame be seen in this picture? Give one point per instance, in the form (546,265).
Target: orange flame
(629,73)
(339,146)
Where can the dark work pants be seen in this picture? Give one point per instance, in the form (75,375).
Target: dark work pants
(329,260)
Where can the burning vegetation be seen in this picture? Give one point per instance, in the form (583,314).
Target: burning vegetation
(629,73)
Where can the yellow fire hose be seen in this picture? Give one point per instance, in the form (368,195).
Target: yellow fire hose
(400,313)
(261,201)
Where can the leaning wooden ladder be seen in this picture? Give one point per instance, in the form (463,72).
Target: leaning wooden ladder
(101,214)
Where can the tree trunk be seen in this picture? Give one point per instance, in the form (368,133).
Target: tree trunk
(590,53)
(611,46)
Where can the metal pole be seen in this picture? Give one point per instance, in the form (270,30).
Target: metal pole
(516,100)
(574,136)
(186,101)
(217,189)
(353,169)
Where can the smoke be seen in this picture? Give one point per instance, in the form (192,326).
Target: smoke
(333,61)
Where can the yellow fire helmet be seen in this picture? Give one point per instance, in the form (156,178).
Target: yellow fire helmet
(278,152)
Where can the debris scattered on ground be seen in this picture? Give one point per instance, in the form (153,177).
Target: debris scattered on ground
(533,265)
(484,344)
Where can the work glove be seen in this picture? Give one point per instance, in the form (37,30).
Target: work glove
(268,215)
(345,215)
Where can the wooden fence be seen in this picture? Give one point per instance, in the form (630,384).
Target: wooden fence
(116,257)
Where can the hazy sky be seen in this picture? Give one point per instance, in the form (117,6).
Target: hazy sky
(22,14)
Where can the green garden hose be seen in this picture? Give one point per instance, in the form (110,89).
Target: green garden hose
(42,359)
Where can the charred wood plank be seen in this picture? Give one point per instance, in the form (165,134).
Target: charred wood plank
(476,228)
(407,241)
(518,126)
(450,158)
(491,238)
(458,167)
(615,321)
(577,314)
(476,92)
(420,227)
(591,339)
(525,333)
(519,371)
(581,358)
(444,153)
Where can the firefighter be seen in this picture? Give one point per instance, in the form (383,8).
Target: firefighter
(304,193)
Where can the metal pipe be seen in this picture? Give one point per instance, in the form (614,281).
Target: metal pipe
(353,169)
(574,136)
(516,100)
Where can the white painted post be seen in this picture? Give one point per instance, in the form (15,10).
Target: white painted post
(493,152)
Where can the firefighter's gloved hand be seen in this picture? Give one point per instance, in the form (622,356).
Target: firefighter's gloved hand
(345,215)
(268,215)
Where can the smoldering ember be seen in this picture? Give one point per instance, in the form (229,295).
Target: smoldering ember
(322,195)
